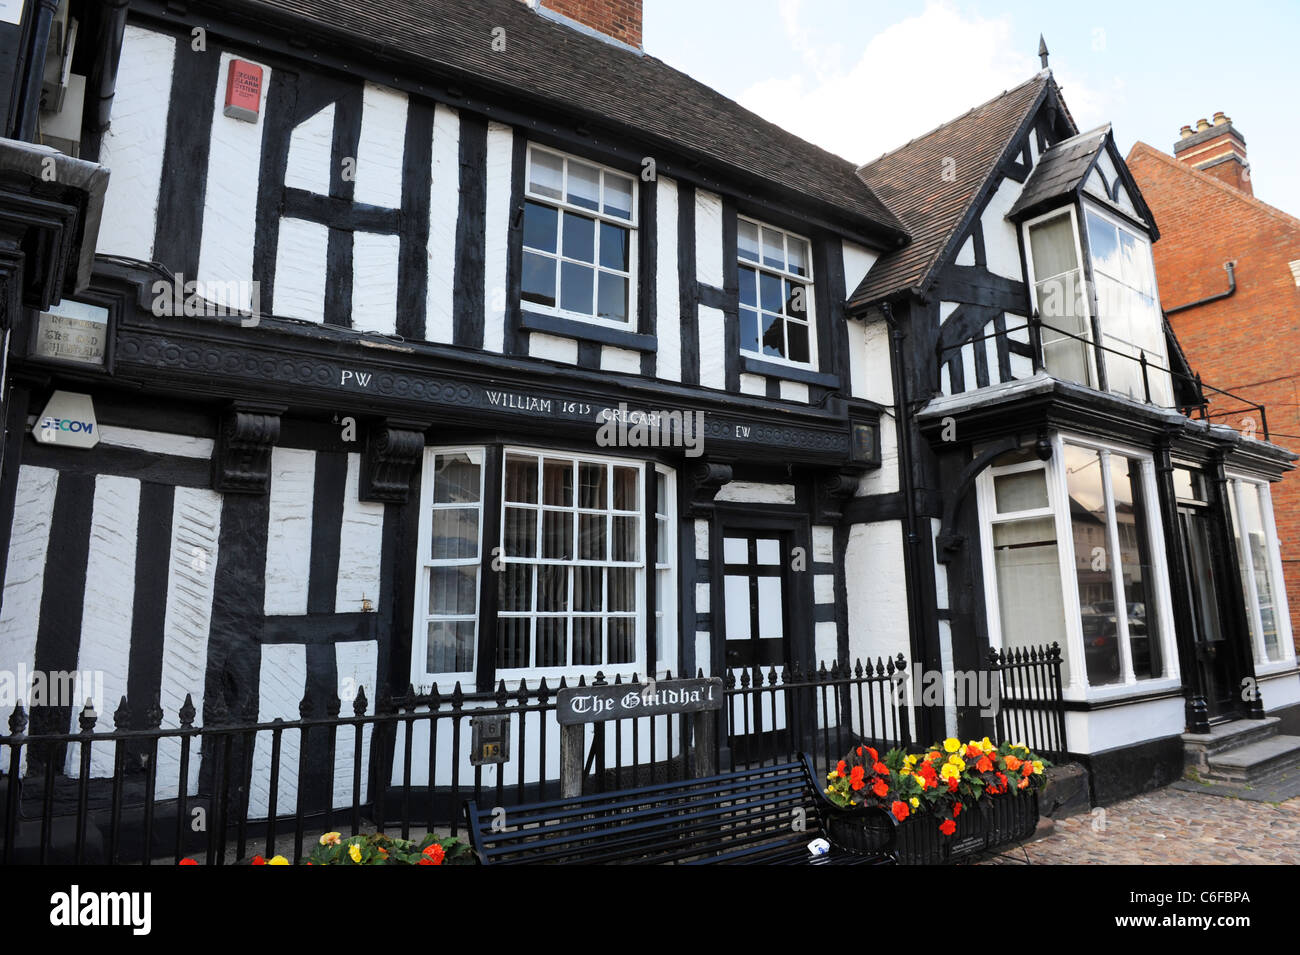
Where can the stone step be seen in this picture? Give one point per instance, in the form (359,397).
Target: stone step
(1198,748)
(1255,761)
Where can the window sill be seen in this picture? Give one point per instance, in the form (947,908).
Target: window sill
(756,366)
(571,328)
(1122,694)
(1274,668)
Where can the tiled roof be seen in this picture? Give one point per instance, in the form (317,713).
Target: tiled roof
(552,65)
(912,182)
(1060,170)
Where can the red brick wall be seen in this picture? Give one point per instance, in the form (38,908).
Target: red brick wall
(620,19)
(1248,343)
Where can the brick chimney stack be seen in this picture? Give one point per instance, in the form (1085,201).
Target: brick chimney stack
(618,20)
(1216,148)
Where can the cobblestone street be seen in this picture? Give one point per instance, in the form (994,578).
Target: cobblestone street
(1170,827)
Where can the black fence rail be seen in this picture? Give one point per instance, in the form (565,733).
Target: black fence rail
(1029,708)
(235,787)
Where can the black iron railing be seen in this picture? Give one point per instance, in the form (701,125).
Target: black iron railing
(1029,708)
(234,787)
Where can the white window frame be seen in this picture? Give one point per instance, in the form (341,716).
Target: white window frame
(809,282)
(1144,240)
(666,570)
(1078,688)
(1084,277)
(1238,483)
(533,672)
(632,226)
(425,562)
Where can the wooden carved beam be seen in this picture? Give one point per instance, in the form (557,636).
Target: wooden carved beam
(242,462)
(393,450)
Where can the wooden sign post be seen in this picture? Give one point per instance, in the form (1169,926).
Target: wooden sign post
(576,706)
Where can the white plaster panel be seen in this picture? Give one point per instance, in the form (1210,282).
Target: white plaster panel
(300,270)
(824,588)
(620,359)
(288,543)
(703,657)
(990,344)
(940,570)
(668,328)
(357,662)
(361,541)
(753,385)
(968,366)
(156,442)
(444,208)
(311,150)
(823,542)
(877,591)
(134,142)
(1279,692)
(1001,249)
(230,203)
(281,685)
(858,261)
(374,282)
(794,391)
(381,147)
(713,348)
(702,592)
(873,377)
(826,638)
(500,157)
(708,239)
(701,539)
(551,348)
(966,254)
(884,479)
(747,492)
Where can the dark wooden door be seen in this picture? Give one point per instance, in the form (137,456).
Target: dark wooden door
(1215,659)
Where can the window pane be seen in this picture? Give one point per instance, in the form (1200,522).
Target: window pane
(455,479)
(1103,243)
(798,335)
(1092,561)
(796,300)
(1028,573)
(588,589)
(747,240)
(520,532)
(1251,521)
(540,226)
(1020,492)
(579,237)
(614,247)
(618,196)
(771,613)
(769,552)
(521,479)
(513,641)
(773,249)
(627,539)
(748,330)
(587,649)
(773,335)
(557,483)
(748,287)
(798,249)
(627,485)
(552,641)
(451,646)
(453,590)
(770,292)
(735,591)
(622,639)
(557,535)
(584,185)
(591,486)
(613,297)
(552,588)
(546,173)
(622,588)
(1131,521)
(577,284)
(592,544)
(455,533)
(515,590)
(1051,244)
(538,282)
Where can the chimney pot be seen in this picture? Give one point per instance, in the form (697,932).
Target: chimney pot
(1202,124)
(1185,132)
(1220,119)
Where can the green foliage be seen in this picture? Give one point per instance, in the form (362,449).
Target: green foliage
(380,849)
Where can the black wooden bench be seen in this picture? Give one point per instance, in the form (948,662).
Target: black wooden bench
(755,816)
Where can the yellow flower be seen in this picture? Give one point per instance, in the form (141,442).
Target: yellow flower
(951,745)
(330,839)
(1038,767)
(1020,746)
(355,852)
(956,762)
(910,761)
(987,746)
(278,860)
(915,802)
(949,771)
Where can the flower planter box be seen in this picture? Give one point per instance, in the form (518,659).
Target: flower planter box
(990,823)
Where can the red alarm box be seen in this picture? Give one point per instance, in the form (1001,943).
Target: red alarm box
(243,91)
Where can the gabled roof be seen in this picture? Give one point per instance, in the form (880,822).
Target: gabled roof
(1061,170)
(553,66)
(932,206)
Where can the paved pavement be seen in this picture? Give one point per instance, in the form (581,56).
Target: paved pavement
(1170,826)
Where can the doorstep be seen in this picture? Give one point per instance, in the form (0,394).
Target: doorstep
(1200,748)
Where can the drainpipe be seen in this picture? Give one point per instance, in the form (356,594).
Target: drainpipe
(902,423)
(30,106)
(1232,287)
(103,79)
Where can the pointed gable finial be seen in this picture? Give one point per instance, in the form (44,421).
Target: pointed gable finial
(1042,51)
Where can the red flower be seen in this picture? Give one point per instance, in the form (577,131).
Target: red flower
(881,788)
(859,750)
(187,862)
(1024,783)
(953,783)
(985,765)
(434,854)
(880,769)
(947,827)
(927,772)
(856,778)
(875,757)
(956,810)
(258,860)
(1026,769)
(900,810)
(1002,780)
(839,767)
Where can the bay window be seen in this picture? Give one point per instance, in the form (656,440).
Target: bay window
(579,227)
(1072,554)
(1261,570)
(776,294)
(569,566)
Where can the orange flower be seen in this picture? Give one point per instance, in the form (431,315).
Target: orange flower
(856,778)
(956,810)
(434,853)
(258,860)
(187,862)
(985,765)
(953,783)
(932,755)
(947,827)
(900,810)
(859,751)
(1024,783)
(875,757)
(839,767)
(1026,770)
(881,788)
(1013,764)
(880,769)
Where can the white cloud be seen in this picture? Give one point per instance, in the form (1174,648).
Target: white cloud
(910,77)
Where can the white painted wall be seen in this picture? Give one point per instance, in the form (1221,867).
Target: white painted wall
(381,147)
(794,391)
(358,662)
(713,348)
(1001,249)
(282,681)
(552,348)
(133,145)
(361,539)
(966,254)
(884,479)
(300,270)
(374,282)
(620,359)
(858,261)
(708,238)
(288,544)
(1097,730)
(500,141)
(753,384)
(311,146)
(230,204)
(444,209)
(668,323)
(877,591)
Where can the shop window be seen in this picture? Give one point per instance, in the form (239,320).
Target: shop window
(1257,551)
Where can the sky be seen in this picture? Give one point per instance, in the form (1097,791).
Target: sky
(861,77)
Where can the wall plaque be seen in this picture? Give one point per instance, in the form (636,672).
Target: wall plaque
(73,331)
(597,704)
